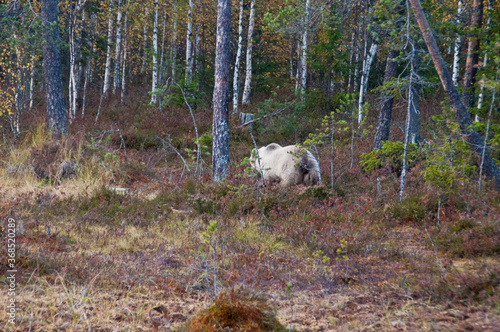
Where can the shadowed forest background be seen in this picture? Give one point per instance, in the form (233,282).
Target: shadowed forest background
(127,128)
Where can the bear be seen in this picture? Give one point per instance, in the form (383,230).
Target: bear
(286,166)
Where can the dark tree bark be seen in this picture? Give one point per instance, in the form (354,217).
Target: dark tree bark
(461,115)
(385,114)
(52,67)
(472,55)
(220,156)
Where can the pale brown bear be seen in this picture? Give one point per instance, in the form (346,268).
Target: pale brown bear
(286,166)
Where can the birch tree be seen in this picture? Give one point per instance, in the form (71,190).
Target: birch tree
(220,133)
(74,54)
(458,46)
(485,63)
(472,54)
(237,61)
(189,44)
(124,57)
(107,71)
(248,75)
(367,64)
(155,52)
(116,81)
(173,49)
(144,41)
(52,68)
(303,62)
(461,115)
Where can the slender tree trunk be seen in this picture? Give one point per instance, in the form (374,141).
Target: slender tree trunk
(124,69)
(472,55)
(189,47)
(116,82)
(52,69)
(409,115)
(485,63)
(197,44)
(385,114)
(74,52)
(161,73)
(367,64)
(485,145)
(461,115)
(220,156)
(88,69)
(173,49)
(236,82)
(297,74)
(155,52)
(413,89)
(458,46)
(351,57)
(303,64)
(107,71)
(144,41)
(32,80)
(248,77)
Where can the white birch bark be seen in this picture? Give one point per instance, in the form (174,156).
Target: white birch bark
(477,118)
(32,81)
(297,74)
(124,57)
(197,40)
(364,79)
(173,49)
(458,45)
(145,40)
(237,61)
(107,71)
(160,74)
(155,51)
(73,58)
(248,77)
(116,82)
(189,43)
(303,80)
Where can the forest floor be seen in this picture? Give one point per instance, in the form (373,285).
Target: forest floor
(105,265)
(94,258)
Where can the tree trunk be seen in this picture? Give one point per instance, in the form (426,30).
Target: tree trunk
(52,69)
(107,71)
(116,82)
(385,114)
(413,88)
(248,77)
(458,46)
(189,44)
(367,64)
(124,69)
(74,56)
(144,41)
(236,78)
(155,52)
(297,73)
(472,55)
(162,67)
(461,115)
(32,81)
(485,63)
(409,114)
(220,156)
(173,49)
(303,64)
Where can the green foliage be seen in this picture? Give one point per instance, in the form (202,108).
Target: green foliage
(390,155)
(410,209)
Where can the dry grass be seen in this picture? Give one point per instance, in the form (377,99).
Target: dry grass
(137,261)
